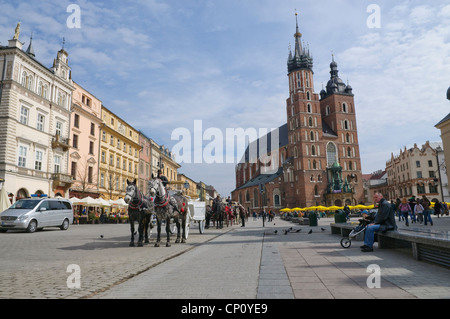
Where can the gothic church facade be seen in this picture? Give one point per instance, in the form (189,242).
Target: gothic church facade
(316,160)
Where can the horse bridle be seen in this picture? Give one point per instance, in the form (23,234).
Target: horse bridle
(165,199)
(137,197)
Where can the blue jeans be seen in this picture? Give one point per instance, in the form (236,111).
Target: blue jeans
(427,217)
(370,234)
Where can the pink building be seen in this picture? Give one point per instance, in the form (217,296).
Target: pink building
(85,140)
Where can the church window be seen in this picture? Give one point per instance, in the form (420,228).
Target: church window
(309,108)
(348,138)
(307,79)
(310,121)
(314,164)
(331,154)
(346,125)
(344,108)
(312,135)
(299,84)
(313,150)
(308,96)
(327,110)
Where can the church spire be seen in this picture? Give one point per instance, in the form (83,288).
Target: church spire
(301,58)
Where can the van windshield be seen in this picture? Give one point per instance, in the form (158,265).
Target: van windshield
(25,204)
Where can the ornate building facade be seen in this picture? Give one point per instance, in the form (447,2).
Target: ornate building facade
(85,143)
(315,158)
(119,155)
(35,104)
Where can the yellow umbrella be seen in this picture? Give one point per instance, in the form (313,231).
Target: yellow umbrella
(284,210)
(334,208)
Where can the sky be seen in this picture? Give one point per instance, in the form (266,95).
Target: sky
(198,67)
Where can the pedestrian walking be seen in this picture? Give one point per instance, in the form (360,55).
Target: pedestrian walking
(412,204)
(418,211)
(405,210)
(397,211)
(437,208)
(427,212)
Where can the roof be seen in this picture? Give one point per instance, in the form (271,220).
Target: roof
(445,119)
(262,179)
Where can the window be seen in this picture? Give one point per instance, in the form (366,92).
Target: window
(30,83)
(24,79)
(59,128)
(22,156)
(102,180)
(75,141)
(420,189)
(45,91)
(430,163)
(103,157)
(90,174)
(24,113)
(433,188)
(331,154)
(277,200)
(111,160)
(40,86)
(111,140)
(92,129)
(91,147)
(104,136)
(432,175)
(76,121)
(73,171)
(417,163)
(419,174)
(38,160)
(56,164)
(344,108)
(40,122)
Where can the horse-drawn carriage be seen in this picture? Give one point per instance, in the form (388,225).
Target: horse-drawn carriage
(196,213)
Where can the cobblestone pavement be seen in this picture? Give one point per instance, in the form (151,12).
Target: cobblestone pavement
(232,263)
(36,265)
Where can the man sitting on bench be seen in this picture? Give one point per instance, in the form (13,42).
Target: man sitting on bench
(384,221)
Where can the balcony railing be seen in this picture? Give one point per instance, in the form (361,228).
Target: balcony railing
(60,179)
(58,141)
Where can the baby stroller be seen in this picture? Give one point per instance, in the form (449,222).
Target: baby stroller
(346,242)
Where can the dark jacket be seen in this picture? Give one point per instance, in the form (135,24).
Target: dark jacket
(385,216)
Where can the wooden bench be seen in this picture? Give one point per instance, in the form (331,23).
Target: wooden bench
(429,246)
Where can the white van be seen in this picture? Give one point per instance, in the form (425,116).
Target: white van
(31,214)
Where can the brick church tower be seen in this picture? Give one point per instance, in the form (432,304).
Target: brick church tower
(318,146)
(322,162)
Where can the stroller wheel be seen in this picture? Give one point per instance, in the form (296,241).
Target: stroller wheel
(346,242)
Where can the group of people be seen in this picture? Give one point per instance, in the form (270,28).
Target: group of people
(418,210)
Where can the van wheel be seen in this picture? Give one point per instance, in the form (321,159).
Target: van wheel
(32,226)
(65,224)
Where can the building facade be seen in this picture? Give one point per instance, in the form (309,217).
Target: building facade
(415,171)
(119,155)
(315,158)
(145,162)
(35,104)
(85,143)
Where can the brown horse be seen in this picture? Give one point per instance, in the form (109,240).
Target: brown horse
(168,207)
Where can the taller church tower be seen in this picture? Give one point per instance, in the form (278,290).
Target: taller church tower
(305,165)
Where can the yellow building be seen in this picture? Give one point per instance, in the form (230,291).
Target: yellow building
(192,190)
(119,155)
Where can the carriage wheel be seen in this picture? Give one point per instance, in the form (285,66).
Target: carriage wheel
(201,226)
(346,242)
(188,224)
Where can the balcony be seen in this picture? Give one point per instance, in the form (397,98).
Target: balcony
(62,180)
(58,141)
